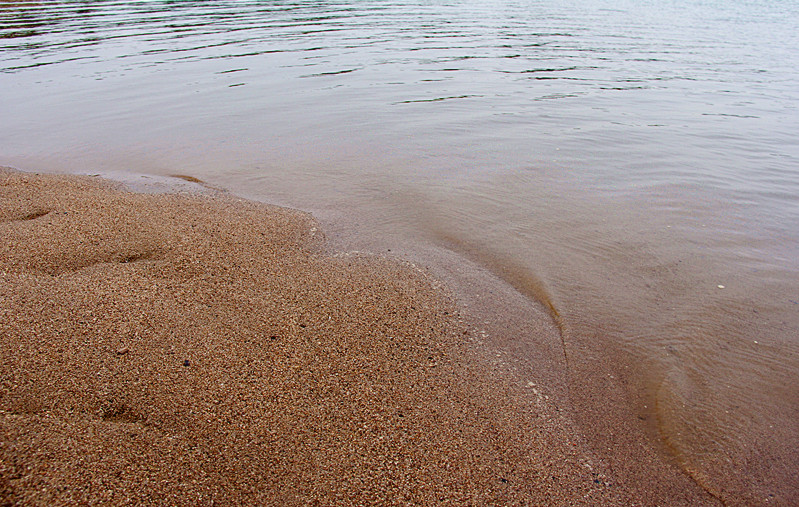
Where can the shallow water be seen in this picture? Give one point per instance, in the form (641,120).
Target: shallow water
(635,164)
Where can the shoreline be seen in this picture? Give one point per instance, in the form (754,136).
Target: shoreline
(297,387)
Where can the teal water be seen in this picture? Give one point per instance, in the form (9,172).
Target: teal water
(638,159)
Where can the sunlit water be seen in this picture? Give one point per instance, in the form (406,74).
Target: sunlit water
(637,159)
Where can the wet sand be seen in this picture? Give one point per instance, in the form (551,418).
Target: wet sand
(198,348)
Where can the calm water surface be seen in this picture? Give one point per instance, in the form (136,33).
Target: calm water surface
(634,163)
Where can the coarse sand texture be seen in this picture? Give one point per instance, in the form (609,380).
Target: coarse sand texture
(198,349)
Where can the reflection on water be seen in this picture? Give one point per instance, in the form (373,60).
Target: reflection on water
(634,163)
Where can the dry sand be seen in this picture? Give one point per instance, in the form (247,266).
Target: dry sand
(194,349)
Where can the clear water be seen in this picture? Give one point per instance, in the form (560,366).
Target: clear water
(639,160)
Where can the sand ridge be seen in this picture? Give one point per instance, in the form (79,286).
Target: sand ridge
(193,349)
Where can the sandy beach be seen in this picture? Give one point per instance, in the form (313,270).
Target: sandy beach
(201,349)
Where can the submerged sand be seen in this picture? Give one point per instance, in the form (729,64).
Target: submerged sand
(195,349)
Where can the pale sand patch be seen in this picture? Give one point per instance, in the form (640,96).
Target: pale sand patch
(187,349)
